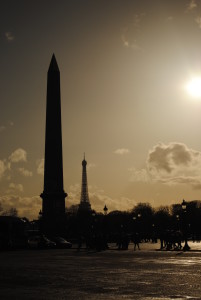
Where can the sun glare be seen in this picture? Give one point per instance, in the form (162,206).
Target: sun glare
(194,87)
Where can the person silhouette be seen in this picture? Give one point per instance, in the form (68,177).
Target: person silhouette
(136,240)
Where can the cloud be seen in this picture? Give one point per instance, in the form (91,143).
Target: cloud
(18,187)
(131,34)
(134,44)
(125,41)
(26,206)
(25,172)
(198,21)
(171,164)
(2,128)
(192,5)
(99,199)
(172,158)
(137,20)
(122,151)
(18,155)
(9,36)
(169,19)
(2,168)
(74,193)
(91,166)
(139,175)
(40,166)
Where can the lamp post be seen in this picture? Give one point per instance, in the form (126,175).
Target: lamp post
(136,220)
(178,222)
(40,216)
(184,227)
(136,230)
(93,220)
(105,209)
(184,205)
(105,229)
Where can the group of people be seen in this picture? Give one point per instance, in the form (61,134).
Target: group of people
(169,240)
(99,242)
(124,240)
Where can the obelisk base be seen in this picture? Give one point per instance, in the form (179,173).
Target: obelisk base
(53,213)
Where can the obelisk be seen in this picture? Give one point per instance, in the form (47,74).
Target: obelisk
(53,196)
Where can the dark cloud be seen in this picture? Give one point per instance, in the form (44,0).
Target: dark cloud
(171,164)
(171,157)
(175,163)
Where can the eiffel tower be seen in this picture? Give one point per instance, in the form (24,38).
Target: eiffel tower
(85,205)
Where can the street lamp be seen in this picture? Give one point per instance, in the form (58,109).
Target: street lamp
(177,222)
(93,222)
(40,216)
(105,209)
(184,210)
(184,205)
(136,219)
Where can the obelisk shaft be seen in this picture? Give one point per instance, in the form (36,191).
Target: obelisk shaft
(53,195)
(53,179)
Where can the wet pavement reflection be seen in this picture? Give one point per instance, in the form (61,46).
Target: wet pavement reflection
(112,274)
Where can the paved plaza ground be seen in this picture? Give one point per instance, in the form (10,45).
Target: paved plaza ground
(112,274)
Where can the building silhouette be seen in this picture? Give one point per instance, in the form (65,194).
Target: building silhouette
(53,196)
(85,205)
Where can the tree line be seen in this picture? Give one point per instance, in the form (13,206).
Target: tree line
(11,212)
(149,222)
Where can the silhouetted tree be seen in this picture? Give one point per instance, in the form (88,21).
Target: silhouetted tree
(12,212)
(144,209)
(144,219)
(117,224)
(149,222)
(193,218)
(162,219)
(176,209)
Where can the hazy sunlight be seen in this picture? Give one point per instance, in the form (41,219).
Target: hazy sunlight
(194,87)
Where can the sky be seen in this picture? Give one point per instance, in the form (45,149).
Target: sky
(125,69)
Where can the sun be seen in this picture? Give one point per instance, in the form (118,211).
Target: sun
(194,87)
